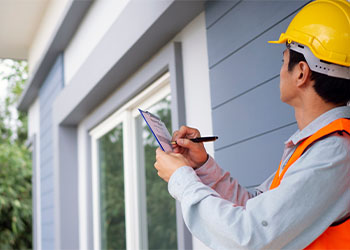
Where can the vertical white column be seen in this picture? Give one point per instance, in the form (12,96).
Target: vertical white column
(196,78)
(130,181)
(34,132)
(95,196)
(82,187)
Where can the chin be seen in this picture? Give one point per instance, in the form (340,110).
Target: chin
(281,98)
(284,99)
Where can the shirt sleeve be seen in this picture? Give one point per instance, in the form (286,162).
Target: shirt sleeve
(220,180)
(314,193)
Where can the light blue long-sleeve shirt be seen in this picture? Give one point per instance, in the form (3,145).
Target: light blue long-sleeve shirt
(314,193)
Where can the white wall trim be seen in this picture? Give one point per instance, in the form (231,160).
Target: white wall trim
(34,132)
(96,23)
(82,188)
(196,79)
(126,115)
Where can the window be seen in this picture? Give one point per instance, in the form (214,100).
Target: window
(112,209)
(132,207)
(160,206)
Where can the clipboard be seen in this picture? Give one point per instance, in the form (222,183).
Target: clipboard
(158,129)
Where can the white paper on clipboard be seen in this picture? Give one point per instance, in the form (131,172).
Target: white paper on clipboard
(158,129)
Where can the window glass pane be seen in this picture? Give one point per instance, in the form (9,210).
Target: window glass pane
(161,218)
(112,189)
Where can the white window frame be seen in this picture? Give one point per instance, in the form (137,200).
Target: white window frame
(133,207)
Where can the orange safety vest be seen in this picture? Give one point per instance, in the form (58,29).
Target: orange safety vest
(337,236)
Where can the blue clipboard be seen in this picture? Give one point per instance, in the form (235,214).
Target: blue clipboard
(158,129)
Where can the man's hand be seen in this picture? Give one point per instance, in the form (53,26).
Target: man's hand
(167,163)
(195,153)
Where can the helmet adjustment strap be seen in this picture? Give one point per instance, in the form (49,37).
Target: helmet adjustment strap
(318,65)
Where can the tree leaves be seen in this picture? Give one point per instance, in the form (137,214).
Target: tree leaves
(15,164)
(161,209)
(15,197)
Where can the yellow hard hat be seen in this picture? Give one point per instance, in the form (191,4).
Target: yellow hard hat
(324,27)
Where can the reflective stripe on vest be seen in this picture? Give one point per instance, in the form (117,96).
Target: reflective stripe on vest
(335,237)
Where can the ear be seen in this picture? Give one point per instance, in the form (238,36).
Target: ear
(302,71)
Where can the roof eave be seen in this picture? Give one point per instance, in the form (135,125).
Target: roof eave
(74,13)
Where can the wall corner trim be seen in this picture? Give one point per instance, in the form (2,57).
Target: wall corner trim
(104,71)
(74,13)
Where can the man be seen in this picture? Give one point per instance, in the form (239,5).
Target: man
(306,203)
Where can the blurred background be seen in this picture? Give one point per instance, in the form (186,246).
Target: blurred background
(15,160)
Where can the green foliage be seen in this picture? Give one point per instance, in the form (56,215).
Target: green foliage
(161,209)
(15,163)
(112,190)
(15,197)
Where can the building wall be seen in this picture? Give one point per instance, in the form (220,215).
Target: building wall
(248,116)
(196,84)
(55,12)
(47,94)
(241,100)
(96,23)
(196,77)
(33,135)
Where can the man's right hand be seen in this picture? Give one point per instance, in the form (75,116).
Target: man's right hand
(195,153)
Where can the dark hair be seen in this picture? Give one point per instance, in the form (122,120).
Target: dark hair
(330,89)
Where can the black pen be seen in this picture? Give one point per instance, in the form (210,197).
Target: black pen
(200,139)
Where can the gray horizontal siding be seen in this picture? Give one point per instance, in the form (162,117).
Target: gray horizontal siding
(49,90)
(248,68)
(254,160)
(252,114)
(248,116)
(217,10)
(251,19)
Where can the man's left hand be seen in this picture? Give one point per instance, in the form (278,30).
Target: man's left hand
(167,163)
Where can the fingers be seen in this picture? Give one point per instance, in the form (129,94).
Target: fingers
(191,132)
(161,155)
(185,132)
(159,152)
(158,170)
(156,166)
(158,156)
(177,149)
(185,143)
(167,163)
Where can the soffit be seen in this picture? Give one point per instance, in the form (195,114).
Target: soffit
(19,22)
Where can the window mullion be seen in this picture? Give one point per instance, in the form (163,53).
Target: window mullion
(131,202)
(96,195)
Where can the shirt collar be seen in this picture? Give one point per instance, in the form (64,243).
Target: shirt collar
(318,123)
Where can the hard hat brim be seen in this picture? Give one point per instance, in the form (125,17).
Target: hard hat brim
(312,43)
(283,38)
